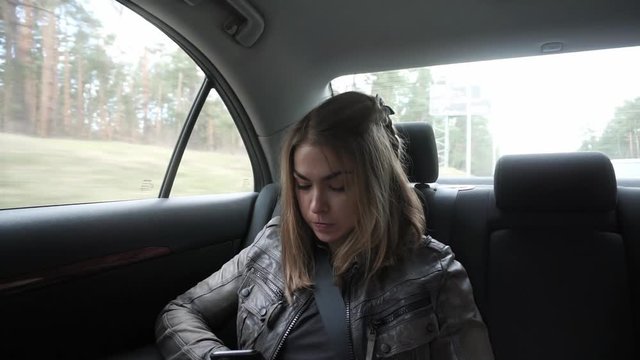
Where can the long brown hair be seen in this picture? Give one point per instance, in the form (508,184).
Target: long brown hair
(390,218)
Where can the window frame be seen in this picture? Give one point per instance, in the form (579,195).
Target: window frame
(213,81)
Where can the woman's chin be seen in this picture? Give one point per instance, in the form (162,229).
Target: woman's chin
(325,238)
(330,239)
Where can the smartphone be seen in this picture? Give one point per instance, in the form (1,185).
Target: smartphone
(233,354)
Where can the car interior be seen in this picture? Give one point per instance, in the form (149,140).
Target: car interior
(550,240)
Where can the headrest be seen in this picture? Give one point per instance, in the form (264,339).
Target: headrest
(579,182)
(422,154)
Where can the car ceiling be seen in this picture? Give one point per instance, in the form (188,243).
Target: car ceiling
(307,43)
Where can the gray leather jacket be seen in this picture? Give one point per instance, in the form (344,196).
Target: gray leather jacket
(420,308)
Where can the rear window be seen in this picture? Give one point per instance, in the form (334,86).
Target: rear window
(586,101)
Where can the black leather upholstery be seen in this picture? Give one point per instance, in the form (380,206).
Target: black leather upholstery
(557,278)
(628,216)
(581,181)
(263,210)
(420,143)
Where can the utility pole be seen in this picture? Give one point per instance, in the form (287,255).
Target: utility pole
(467,110)
(446,141)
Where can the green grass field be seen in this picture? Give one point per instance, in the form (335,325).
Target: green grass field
(39,171)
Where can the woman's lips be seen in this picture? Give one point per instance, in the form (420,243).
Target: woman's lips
(322,226)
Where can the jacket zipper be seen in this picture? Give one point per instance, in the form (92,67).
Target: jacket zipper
(371,342)
(347,307)
(386,320)
(290,327)
(265,279)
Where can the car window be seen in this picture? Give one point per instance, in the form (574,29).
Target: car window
(92,102)
(553,103)
(215,160)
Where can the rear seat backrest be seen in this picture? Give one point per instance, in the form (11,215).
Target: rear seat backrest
(422,168)
(422,153)
(557,276)
(628,210)
(421,161)
(265,208)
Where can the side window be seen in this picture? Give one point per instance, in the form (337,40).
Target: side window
(215,160)
(92,102)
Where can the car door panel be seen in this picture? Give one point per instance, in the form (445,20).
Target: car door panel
(129,259)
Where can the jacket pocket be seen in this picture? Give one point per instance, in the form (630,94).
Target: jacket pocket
(403,333)
(256,301)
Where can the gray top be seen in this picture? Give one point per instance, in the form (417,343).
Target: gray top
(309,339)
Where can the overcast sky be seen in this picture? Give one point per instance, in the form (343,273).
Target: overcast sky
(549,103)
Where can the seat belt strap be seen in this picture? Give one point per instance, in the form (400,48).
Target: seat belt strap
(330,304)
(446,211)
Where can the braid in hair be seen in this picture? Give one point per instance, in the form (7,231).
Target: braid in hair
(385,120)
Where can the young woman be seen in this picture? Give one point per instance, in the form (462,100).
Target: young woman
(349,215)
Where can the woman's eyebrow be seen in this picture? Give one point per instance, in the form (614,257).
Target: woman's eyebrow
(328,177)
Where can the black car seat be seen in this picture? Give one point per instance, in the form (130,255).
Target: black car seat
(558,285)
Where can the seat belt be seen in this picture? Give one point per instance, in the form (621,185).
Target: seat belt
(330,304)
(446,211)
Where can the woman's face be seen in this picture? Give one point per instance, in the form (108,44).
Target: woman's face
(325,204)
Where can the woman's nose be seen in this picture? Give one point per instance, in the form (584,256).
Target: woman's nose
(318,202)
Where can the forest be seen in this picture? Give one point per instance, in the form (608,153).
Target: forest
(61,76)
(621,138)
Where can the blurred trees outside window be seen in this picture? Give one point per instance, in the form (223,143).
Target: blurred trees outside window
(93,99)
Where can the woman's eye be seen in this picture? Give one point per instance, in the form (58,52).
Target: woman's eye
(336,188)
(303,186)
